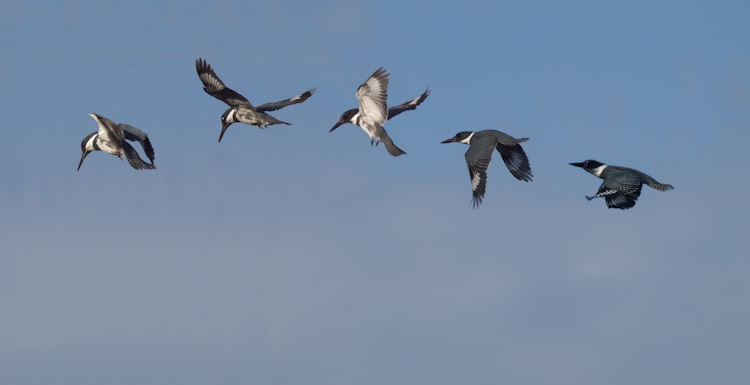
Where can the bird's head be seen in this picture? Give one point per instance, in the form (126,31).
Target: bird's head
(346,117)
(86,147)
(461,137)
(226,120)
(589,165)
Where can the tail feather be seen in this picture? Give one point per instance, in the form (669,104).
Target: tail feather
(651,182)
(392,149)
(660,186)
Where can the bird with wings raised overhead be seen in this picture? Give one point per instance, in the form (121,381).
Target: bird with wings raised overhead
(373,111)
(240,110)
(112,139)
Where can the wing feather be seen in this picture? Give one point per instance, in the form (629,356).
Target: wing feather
(135,135)
(478,159)
(408,106)
(109,131)
(622,195)
(516,161)
(216,88)
(372,96)
(135,161)
(288,102)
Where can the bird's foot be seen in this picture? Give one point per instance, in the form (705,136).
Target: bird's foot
(118,155)
(259,126)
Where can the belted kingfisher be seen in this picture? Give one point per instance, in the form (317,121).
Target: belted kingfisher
(483,144)
(240,109)
(373,112)
(622,185)
(111,139)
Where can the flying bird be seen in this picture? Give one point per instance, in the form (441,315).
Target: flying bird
(111,138)
(373,112)
(482,145)
(240,110)
(622,185)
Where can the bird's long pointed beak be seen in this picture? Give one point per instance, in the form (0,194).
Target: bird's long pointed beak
(82,158)
(223,130)
(338,124)
(451,140)
(577,164)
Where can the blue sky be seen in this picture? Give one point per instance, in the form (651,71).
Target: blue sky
(293,255)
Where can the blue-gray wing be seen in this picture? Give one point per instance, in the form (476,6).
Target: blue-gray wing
(621,194)
(516,161)
(288,102)
(135,135)
(216,88)
(135,161)
(410,105)
(478,159)
(513,155)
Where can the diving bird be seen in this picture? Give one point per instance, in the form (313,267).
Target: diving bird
(111,138)
(240,110)
(373,112)
(482,145)
(621,186)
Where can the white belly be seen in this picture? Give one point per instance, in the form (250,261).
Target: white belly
(370,130)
